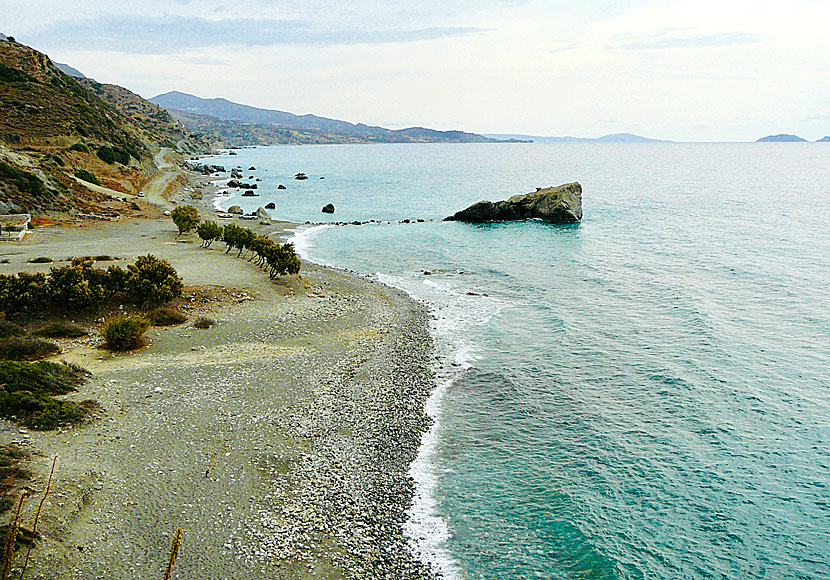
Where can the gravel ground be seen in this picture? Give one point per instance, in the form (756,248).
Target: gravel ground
(279,439)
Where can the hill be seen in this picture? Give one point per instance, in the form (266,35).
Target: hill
(782,138)
(71,71)
(245,125)
(825,139)
(157,124)
(612,138)
(59,142)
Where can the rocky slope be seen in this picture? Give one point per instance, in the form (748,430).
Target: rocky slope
(63,149)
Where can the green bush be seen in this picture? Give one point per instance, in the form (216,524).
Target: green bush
(153,281)
(41,377)
(26,349)
(166,316)
(80,284)
(23,293)
(9,329)
(80,147)
(209,231)
(60,330)
(87,176)
(112,155)
(125,332)
(27,393)
(24,181)
(186,218)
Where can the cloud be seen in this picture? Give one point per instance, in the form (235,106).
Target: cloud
(818,117)
(674,38)
(165,34)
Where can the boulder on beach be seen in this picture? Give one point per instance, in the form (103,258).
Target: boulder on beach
(235,209)
(262,214)
(328,208)
(270,205)
(559,205)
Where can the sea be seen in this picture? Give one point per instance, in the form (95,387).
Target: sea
(642,395)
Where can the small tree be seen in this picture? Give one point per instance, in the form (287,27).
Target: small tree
(186,218)
(153,281)
(209,231)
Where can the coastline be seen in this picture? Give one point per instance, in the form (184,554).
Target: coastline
(280,439)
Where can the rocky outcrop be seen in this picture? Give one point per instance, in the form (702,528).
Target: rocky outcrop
(263,215)
(235,209)
(281,186)
(270,205)
(559,205)
(301,176)
(328,208)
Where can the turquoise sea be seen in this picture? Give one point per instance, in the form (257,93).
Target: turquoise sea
(644,395)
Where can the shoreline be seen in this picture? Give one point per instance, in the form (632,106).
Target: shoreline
(280,439)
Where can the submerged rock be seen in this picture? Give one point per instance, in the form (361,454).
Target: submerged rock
(559,205)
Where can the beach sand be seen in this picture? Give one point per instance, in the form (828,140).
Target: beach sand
(279,439)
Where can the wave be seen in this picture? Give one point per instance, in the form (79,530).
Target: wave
(455,313)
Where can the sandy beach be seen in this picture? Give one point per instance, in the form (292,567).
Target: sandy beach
(279,439)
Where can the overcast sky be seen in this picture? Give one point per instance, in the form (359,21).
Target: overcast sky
(708,70)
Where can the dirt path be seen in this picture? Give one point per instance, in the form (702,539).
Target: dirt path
(155,189)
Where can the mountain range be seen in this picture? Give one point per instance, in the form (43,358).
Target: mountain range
(246,125)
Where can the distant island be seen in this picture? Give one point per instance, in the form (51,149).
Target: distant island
(782,138)
(612,138)
(825,139)
(241,125)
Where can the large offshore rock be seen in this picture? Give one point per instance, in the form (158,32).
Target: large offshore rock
(559,205)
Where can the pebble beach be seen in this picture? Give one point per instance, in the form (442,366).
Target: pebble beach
(279,439)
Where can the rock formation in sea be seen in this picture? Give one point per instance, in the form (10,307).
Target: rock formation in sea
(560,205)
(328,208)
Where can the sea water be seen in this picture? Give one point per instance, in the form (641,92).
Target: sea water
(643,395)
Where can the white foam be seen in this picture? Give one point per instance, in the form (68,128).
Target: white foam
(303,240)
(455,314)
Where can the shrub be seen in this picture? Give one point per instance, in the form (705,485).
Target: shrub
(87,176)
(125,332)
(60,330)
(9,329)
(27,393)
(103,258)
(113,154)
(186,218)
(203,322)
(79,147)
(40,377)
(153,281)
(209,231)
(166,316)
(69,289)
(41,260)
(26,349)
(22,293)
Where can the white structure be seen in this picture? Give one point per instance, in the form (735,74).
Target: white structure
(14,226)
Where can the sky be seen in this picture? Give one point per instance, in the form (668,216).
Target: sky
(708,70)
